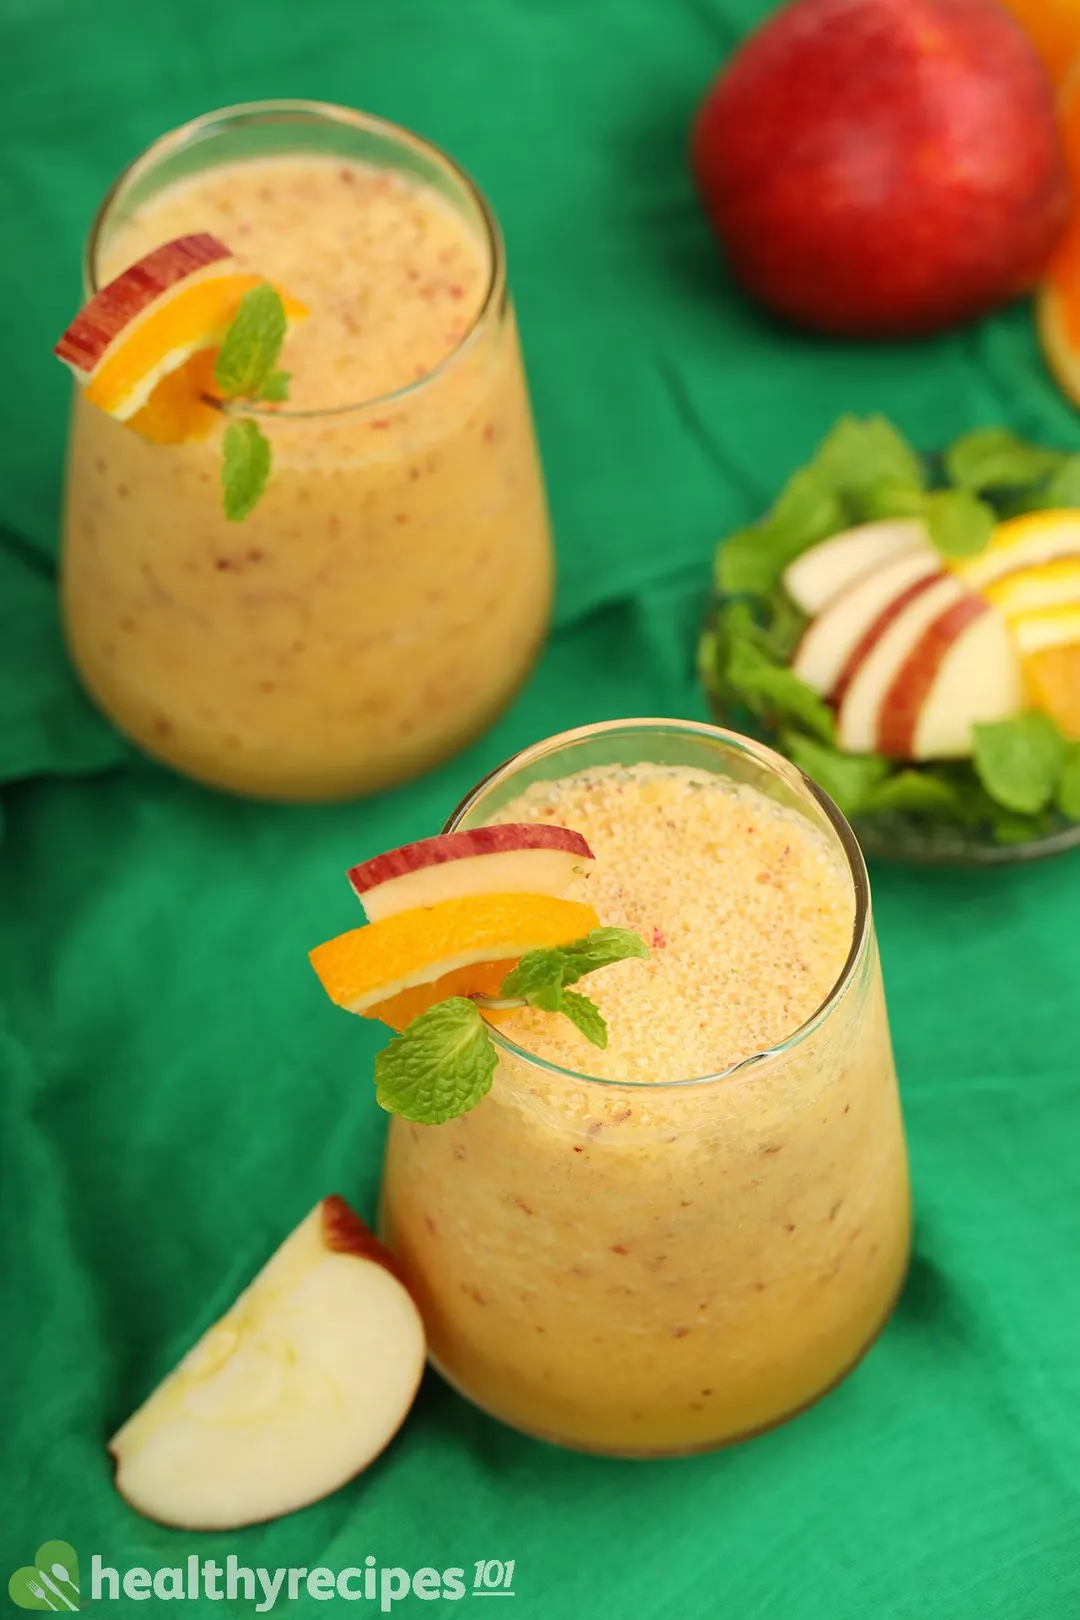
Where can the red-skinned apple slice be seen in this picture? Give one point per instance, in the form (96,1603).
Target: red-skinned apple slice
(834,565)
(859,716)
(296,1389)
(114,308)
(946,664)
(965,673)
(512,858)
(825,651)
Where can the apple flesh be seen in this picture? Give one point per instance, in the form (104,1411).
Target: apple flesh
(946,664)
(514,858)
(883,168)
(293,1392)
(114,307)
(859,715)
(853,621)
(968,674)
(834,565)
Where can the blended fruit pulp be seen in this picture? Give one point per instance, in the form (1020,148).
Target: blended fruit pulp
(387,595)
(650,1268)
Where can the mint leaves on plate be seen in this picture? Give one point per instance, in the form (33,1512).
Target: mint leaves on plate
(1024,772)
(442,1063)
(246,369)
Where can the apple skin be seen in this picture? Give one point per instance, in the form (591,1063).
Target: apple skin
(116,305)
(504,837)
(883,168)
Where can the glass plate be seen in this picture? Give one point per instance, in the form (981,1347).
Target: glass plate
(920,840)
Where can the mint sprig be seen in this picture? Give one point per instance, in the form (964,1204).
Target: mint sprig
(246,369)
(442,1063)
(439,1066)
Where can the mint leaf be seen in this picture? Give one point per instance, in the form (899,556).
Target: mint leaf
(806,510)
(245,467)
(1020,762)
(440,1065)
(251,346)
(960,525)
(586,1015)
(275,388)
(772,692)
(995,458)
(848,779)
(541,976)
(891,499)
(919,793)
(1064,488)
(865,459)
(1068,790)
(785,628)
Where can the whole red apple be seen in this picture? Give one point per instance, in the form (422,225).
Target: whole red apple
(883,168)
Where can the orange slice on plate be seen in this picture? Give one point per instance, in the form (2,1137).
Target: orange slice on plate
(1053,679)
(470,943)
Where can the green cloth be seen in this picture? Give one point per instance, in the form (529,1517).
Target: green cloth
(176,1092)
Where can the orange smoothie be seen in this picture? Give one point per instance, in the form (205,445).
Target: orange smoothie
(630,1264)
(388,594)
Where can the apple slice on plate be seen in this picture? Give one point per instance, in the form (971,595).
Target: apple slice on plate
(854,620)
(946,664)
(295,1390)
(834,565)
(514,858)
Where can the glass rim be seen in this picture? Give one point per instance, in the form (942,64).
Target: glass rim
(768,757)
(301,110)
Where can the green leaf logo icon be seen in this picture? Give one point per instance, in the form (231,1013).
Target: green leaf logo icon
(51,1582)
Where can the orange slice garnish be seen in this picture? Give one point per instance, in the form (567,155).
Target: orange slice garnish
(179,409)
(373,966)
(482,979)
(195,315)
(1053,680)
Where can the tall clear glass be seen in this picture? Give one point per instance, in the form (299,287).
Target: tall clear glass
(663,1267)
(387,596)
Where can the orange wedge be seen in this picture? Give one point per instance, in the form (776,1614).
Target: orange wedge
(1053,679)
(373,966)
(196,315)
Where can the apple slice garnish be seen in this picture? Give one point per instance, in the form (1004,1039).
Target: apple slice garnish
(297,1388)
(514,858)
(854,620)
(115,307)
(834,565)
(147,325)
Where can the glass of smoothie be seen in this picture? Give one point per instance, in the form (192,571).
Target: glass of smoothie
(687,1237)
(388,594)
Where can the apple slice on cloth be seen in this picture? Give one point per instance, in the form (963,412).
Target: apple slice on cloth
(369,966)
(854,620)
(297,1388)
(512,858)
(147,324)
(836,564)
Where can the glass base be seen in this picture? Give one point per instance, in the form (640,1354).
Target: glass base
(660,1453)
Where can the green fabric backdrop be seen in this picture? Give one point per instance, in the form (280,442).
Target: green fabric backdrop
(175,1092)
